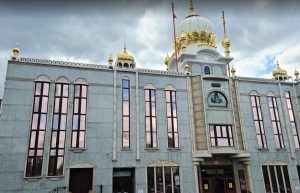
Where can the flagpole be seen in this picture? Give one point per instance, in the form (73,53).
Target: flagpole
(175,46)
(225,35)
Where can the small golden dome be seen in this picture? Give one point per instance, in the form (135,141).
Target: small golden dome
(279,72)
(296,73)
(233,71)
(16,51)
(167,60)
(125,56)
(110,60)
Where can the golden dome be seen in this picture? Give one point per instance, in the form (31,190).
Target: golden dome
(110,60)
(125,56)
(296,73)
(279,72)
(16,51)
(195,29)
(167,60)
(233,71)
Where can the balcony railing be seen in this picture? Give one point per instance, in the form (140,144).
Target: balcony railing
(65,189)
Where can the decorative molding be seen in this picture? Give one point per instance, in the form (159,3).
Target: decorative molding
(63,79)
(82,164)
(92,66)
(43,78)
(162,163)
(80,81)
(274,162)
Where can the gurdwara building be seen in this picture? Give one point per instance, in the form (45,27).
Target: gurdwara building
(84,128)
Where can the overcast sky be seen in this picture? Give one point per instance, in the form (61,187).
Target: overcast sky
(261,31)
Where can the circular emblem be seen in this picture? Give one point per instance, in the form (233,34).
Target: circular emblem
(217,99)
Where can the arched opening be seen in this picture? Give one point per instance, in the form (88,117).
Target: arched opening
(206,70)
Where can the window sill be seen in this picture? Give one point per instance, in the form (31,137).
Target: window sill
(297,149)
(126,149)
(33,179)
(54,178)
(174,149)
(151,149)
(280,149)
(77,150)
(262,149)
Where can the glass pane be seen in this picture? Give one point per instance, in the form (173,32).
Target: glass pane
(36,104)
(82,122)
(154,138)
(34,121)
(58,90)
(273,179)
(254,113)
(224,131)
(174,109)
(152,93)
(170,128)
(296,140)
(76,103)
(148,140)
(126,140)
(46,89)
(230,131)
(168,97)
(125,123)
(272,114)
(62,136)
(51,169)
(259,141)
(277,143)
(168,180)
(289,105)
(125,83)
(83,106)
(59,166)
(43,118)
(153,109)
(38,166)
(223,142)
(41,139)
(39,152)
(81,139)
(169,110)
(44,104)
(159,180)
(176,179)
(266,179)
(218,131)
(174,96)
(32,139)
(74,138)
(66,90)
(150,180)
(75,122)
(287,94)
(213,142)
(153,123)
(63,122)
(125,94)
(125,108)
(84,91)
(148,124)
(291,115)
(146,95)
(176,140)
(54,139)
(170,140)
(280,179)
(212,132)
(77,90)
(64,107)
(55,122)
(56,105)
(175,124)
(147,108)
(287,179)
(38,88)
(270,101)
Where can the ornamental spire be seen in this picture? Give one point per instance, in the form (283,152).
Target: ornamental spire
(124,48)
(192,12)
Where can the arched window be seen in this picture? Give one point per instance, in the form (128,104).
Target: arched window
(206,70)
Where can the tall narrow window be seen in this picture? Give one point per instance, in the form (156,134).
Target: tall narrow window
(275,122)
(126,114)
(276,178)
(258,122)
(150,116)
(292,119)
(163,179)
(79,116)
(38,128)
(221,135)
(173,138)
(59,123)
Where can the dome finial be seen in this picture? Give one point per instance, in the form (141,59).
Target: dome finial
(124,48)
(16,51)
(191,6)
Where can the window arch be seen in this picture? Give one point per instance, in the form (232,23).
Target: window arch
(206,70)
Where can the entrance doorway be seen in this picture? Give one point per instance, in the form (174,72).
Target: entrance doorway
(217,179)
(123,180)
(81,180)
